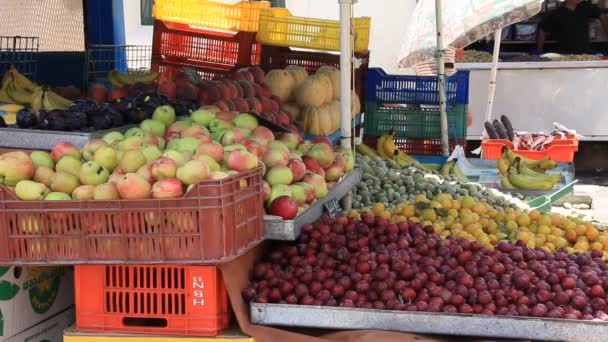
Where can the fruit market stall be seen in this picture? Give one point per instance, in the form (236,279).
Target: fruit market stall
(536,94)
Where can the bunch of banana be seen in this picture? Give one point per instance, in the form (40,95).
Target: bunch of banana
(402,158)
(508,156)
(18,89)
(451,168)
(521,176)
(119,79)
(385,147)
(366,150)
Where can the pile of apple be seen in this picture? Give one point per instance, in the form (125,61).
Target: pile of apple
(244,91)
(163,157)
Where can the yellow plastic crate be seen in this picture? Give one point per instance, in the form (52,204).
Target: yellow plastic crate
(278,27)
(72,335)
(242,16)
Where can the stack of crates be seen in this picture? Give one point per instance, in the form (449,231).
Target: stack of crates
(211,37)
(409,105)
(310,43)
(144,266)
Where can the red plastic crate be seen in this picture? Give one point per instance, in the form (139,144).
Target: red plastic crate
(277,57)
(151,299)
(207,71)
(216,221)
(422,147)
(560,150)
(182,43)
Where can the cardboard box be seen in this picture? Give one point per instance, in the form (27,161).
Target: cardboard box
(231,335)
(50,330)
(30,295)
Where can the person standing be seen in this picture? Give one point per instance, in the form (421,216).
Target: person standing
(569,26)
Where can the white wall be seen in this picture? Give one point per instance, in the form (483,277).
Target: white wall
(389,21)
(135,33)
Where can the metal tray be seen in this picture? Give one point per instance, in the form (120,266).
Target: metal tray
(543,329)
(31,139)
(276,228)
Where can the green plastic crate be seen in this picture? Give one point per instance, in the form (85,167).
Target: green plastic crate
(414,122)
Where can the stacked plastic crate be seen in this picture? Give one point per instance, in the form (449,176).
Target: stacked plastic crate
(211,37)
(410,106)
(310,43)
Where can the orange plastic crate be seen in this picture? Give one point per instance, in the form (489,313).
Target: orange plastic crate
(216,221)
(560,150)
(151,299)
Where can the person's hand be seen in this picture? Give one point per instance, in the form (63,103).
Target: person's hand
(535,51)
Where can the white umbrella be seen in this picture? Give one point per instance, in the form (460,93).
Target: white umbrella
(436,24)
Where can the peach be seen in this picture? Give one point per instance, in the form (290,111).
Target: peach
(319,184)
(233,136)
(213,165)
(43,174)
(335,171)
(254,147)
(241,160)
(146,173)
(62,149)
(309,191)
(279,175)
(212,149)
(131,143)
(115,176)
(106,192)
(88,150)
(290,140)
(168,188)
(193,172)
(133,186)
(163,167)
(304,146)
(298,169)
(99,92)
(278,191)
(14,167)
(195,131)
(312,164)
(276,156)
(64,182)
(322,153)
(83,192)
(131,161)
(263,133)
(298,193)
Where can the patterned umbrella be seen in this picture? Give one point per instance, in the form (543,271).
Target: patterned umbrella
(463,22)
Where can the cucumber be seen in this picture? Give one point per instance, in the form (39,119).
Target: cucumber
(500,129)
(508,126)
(491,131)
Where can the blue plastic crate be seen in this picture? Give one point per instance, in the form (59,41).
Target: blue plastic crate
(20,52)
(422,90)
(124,58)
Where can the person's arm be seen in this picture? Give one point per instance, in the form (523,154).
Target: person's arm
(540,40)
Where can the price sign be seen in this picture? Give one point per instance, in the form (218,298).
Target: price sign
(333,208)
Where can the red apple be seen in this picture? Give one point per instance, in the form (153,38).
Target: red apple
(285,207)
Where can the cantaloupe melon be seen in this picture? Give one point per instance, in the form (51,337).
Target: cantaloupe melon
(281,83)
(334,77)
(314,91)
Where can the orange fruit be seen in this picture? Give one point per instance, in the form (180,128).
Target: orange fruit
(571,235)
(597,245)
(534,215)
(592,233)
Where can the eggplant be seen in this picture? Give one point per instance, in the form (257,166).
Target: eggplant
(508,126)
(490,130)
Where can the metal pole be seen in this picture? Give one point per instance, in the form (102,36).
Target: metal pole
(441,80)
(492,86)
(345,81)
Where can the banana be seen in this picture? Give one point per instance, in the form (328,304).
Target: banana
(403,158)
(531,163)
(529,183)
(366,150)
(21,81)
(446,169)
(51,101)
(503,163)
(11,107)
(37,99)
(522,169)
(131,79)
(113,78)
(4,97)
(380,147)
(457,171)
(506,183)
(19,96)
(432,166)
(547,163)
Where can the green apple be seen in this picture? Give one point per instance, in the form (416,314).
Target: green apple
(42,158)
(246,121)
(187,144)
(202,117)
(151,152)
(106,157)
(57,196)
(164,114)
(133,131)
(92,173)
(153,126)
(111,137)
